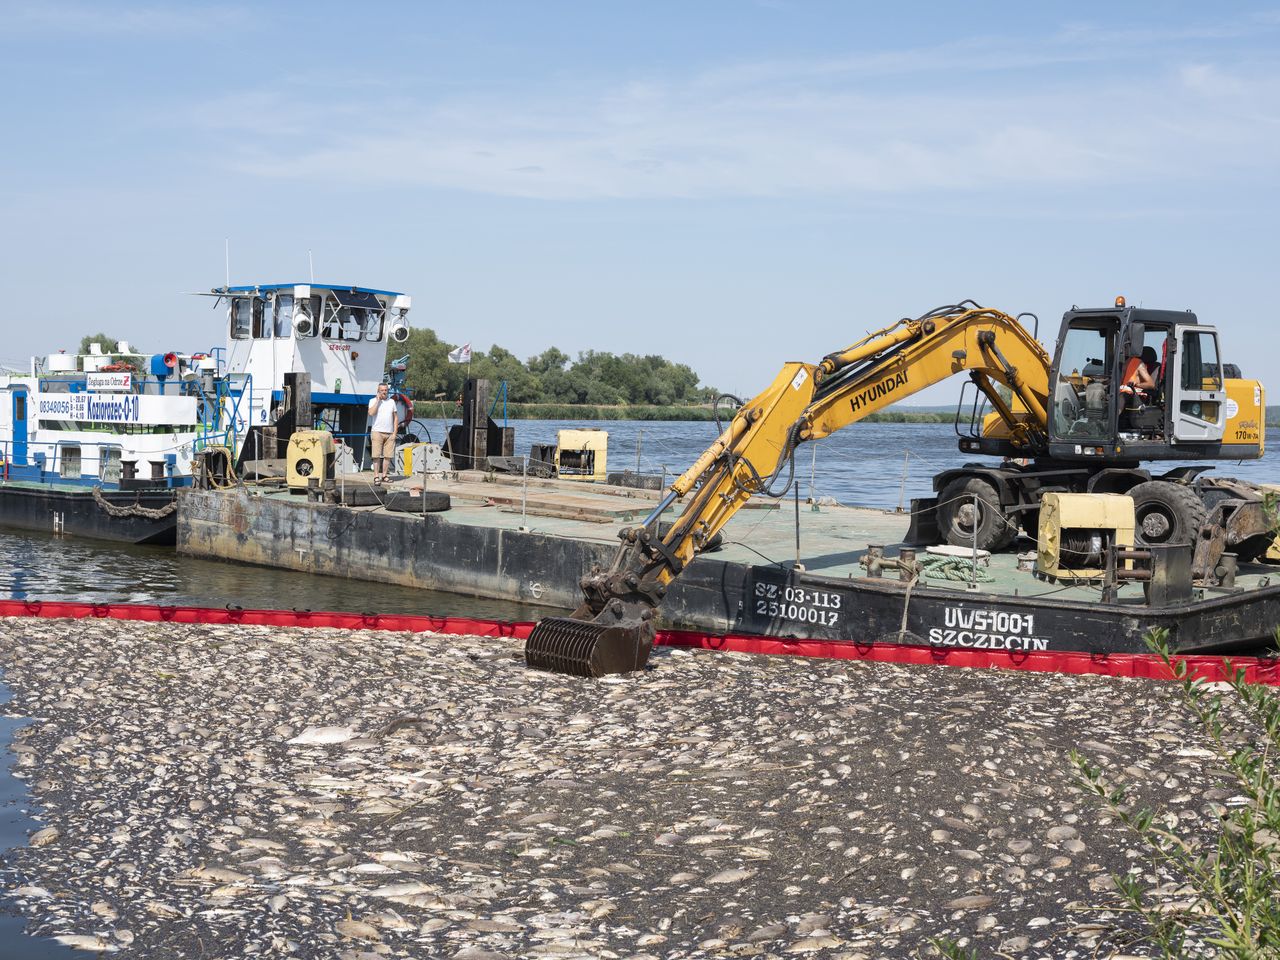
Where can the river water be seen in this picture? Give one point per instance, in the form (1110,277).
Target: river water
(871,464)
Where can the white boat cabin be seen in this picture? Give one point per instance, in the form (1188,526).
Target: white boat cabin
(337,334)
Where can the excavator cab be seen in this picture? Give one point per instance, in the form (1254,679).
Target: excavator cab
(1136,384)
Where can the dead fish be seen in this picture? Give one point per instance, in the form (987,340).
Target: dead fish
(357,930)
(732,875)
(320,736)
(89,943)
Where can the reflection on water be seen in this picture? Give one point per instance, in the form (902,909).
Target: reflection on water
(37,566)
(14,827)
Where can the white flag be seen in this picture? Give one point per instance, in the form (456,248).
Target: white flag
(461,355)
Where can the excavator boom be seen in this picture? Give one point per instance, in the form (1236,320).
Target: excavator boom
(612,630)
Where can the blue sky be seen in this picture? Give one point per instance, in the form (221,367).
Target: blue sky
(730,184)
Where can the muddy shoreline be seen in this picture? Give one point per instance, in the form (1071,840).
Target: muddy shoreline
(231,791)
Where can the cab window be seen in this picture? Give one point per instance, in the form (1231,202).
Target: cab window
(1200,369)
(1080,400)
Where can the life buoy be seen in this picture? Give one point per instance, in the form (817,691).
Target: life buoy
(118,368)
(404,406)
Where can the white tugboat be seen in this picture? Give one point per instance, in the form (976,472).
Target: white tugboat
(99,444)
(336,335)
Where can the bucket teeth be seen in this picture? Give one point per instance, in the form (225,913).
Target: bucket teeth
(585,649)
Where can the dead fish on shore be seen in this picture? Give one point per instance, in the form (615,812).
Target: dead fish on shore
(87,943)
(698,809)
(322,736)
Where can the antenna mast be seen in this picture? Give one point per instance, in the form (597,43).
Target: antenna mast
(227,243)
(311,267)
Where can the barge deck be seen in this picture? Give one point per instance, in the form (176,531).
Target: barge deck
(487,545)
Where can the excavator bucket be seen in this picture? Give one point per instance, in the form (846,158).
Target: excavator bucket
(587,649)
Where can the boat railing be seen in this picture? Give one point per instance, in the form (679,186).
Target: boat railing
(224,421)
(219,355)
(156,386)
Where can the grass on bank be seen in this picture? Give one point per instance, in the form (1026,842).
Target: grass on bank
(568,411)
(577,411)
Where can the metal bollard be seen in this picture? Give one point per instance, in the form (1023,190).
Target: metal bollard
(906,563)
(875,559)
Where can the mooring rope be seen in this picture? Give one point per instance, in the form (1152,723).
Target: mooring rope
(135,509)
(959,569)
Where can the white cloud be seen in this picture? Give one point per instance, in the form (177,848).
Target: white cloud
(951,118)
(110,19)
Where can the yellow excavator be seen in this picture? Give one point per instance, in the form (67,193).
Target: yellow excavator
(1125,385)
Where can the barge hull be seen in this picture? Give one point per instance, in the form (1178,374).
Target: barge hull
(712,596)
(76,513)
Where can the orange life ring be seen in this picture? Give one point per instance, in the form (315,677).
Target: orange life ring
(402,399)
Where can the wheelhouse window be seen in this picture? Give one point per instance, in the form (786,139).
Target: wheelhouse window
(261,319)
(241,317)
(353,316)
(311,307)
(282,313)
(1081,405)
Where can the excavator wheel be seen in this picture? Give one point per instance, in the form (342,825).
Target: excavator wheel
(584,648)
(1165,512)
(969,501)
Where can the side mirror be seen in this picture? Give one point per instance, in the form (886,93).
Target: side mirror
(1136,334)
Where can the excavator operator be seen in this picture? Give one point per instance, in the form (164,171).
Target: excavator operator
(1140,375)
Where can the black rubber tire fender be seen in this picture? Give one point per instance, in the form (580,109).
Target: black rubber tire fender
(358,495)
(428,501)
(1165,512)
(955,506)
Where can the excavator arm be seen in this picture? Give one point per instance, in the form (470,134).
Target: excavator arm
(612,630)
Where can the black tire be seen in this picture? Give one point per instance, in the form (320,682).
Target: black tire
(401,501)
(1165,512)
(357,495)
(956,520)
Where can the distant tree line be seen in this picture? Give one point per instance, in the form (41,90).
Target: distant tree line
(596,377)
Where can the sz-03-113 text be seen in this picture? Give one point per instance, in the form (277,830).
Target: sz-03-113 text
(780,601)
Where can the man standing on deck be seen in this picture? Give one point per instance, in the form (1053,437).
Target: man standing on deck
(386,420)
